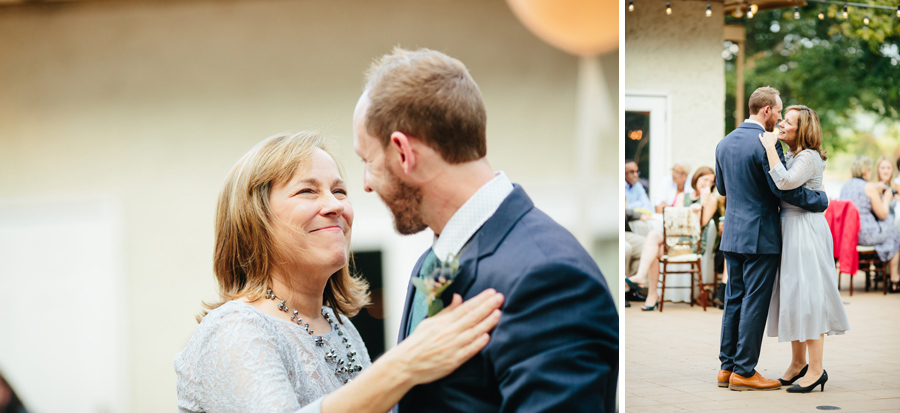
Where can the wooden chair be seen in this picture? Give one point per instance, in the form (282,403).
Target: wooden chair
(681,242)
(872,267)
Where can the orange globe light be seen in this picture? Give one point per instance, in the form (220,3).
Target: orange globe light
(581,27)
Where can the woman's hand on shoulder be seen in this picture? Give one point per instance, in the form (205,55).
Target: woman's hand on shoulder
(443,342)
(768,139)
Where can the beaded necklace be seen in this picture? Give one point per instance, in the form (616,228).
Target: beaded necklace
(344,371)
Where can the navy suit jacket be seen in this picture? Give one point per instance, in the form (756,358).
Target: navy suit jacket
(556,345)
(752,221)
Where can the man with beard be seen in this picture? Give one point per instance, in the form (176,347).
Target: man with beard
(751,240)
(419,127)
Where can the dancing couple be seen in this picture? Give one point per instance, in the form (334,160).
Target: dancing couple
(778,264)
(279,338)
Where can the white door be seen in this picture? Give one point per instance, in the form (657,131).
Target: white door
(647,134)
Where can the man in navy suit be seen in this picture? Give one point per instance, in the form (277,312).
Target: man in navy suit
(751,239)
(420,129)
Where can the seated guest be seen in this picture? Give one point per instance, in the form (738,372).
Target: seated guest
(633,245)
(634,191)
(703,184)
(876,220)
(666,193)
(887,174)
(897,177)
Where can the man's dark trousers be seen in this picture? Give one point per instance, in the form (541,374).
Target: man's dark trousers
(751,278)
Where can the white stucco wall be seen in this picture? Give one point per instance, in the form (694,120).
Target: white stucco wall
(680,54)
(150,103)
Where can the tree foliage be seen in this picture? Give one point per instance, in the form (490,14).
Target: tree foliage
(840,68)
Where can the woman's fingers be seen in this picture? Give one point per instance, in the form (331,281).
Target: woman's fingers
(468,305)
(476,313)
(454,303)
(471,349)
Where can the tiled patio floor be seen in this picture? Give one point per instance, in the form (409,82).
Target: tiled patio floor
(671,361)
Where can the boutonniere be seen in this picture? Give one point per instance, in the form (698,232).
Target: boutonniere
(434,279)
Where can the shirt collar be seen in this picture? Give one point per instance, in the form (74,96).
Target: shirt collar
(753,121)
(471,216)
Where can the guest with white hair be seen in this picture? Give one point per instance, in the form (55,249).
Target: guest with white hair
(669,189)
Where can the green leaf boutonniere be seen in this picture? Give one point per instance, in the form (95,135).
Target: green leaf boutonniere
(434,278)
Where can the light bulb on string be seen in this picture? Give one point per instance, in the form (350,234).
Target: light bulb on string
(708,10)
(750,12)
(796,13)
(754,8)
(866,20)
(630,5)
(844,14)
(738,13)
(821,15)
(668,8)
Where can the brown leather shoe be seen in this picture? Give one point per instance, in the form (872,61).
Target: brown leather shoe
(757,382)
(724,378)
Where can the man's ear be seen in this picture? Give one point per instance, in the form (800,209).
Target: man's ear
(402,145)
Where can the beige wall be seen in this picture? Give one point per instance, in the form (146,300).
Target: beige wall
(150,103)
(680,54)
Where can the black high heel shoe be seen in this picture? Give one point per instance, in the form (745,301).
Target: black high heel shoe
(893,287)
(799,389)
(799,375)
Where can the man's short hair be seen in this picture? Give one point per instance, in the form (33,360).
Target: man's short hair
(762,97)
(430,96)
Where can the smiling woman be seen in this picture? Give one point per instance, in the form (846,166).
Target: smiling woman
(279,338)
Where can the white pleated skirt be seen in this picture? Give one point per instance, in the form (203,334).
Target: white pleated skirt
(805,299)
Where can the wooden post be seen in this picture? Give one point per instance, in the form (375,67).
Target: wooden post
(738,34)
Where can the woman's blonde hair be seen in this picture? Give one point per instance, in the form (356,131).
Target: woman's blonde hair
(809,131)
(246,246)
(876,175)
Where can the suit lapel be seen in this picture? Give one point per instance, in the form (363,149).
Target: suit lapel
(486,240)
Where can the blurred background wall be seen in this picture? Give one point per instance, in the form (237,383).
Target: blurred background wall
(120,119)
(676,59)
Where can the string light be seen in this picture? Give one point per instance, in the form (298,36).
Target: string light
(630,5)
(750,11)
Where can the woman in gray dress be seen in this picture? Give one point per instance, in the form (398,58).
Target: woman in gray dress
(279,340)
(876,219)
(806,304)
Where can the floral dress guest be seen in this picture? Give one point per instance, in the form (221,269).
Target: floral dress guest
(876,220)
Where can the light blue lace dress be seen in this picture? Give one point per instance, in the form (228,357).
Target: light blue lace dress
(881,234)
(243,360)
(805,300)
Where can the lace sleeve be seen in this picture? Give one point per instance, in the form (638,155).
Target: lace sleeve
(802,170)
(240,369)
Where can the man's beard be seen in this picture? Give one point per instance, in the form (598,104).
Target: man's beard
(405,202)
(770,124)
